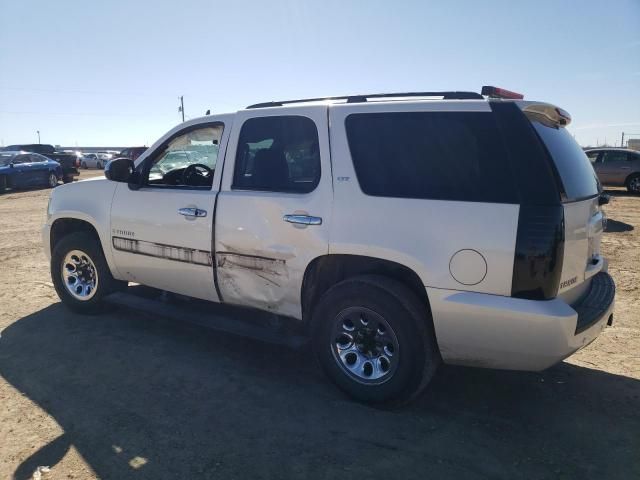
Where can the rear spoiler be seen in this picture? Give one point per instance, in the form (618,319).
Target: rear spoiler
(549,113)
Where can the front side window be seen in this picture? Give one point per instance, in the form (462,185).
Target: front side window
(593,156)
(278,154)
(187,160)
(431,155)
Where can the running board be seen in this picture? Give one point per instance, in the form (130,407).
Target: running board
(248,323)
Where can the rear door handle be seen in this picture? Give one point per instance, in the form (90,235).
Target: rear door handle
(192,212)
(303,219)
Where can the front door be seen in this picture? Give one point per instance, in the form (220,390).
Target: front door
(21,175)
(614,167)
(274,207)
(162,233)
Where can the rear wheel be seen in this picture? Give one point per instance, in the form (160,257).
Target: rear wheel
(3,184)
(633,184)
(374,339)
(80,273)
(53,180)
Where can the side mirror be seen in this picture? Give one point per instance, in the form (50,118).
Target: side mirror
(603,199)
(11,165)
(119,170)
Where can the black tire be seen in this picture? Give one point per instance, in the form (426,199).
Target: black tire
(633,183)
(84,165)
(106,284)
(410,322)
(50,180)
(3,184)
(67,179)
(99,166)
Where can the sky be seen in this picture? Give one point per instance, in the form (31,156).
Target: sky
(111,73)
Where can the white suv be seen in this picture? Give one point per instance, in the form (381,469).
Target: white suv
(401,230)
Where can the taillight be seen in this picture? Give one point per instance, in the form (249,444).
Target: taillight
(539,253)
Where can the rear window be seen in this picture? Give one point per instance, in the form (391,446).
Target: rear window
(431,155)
(575,170)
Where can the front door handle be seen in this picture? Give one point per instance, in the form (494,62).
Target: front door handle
(303,219)
(192,212)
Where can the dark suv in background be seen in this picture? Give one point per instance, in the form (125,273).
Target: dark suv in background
(616,167)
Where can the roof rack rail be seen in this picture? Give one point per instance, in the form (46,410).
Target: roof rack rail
(454,95)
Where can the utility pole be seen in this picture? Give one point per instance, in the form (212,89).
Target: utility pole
(38,131)
(622,141)
(181,108)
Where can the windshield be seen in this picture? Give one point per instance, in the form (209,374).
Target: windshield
(578,177)
(5,159)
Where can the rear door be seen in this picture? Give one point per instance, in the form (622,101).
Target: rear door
(40,169)
(274,207)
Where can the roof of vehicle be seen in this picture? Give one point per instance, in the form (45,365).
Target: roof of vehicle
(487,92)
(617,149)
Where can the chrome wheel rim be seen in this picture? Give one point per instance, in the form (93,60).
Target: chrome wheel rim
(634,185)
(365,346)
(53,180)
(79,275)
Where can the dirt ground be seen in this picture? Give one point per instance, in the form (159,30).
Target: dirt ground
(118,396)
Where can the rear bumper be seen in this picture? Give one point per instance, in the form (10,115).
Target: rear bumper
(492,331)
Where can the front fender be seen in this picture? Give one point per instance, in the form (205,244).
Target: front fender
(89,201)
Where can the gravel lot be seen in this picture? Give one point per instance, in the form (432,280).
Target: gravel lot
(118,396)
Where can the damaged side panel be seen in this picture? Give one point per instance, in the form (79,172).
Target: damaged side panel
(259,281)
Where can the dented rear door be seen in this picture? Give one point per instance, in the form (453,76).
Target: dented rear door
(274,207)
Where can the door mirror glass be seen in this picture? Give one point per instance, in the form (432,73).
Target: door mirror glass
(120,170)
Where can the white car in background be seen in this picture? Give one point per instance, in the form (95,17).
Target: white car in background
(94,160)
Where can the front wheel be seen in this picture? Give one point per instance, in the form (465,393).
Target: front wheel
(633,184)
(3,184)
(375,340)
(80,273)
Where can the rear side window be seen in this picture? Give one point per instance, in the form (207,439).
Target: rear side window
(278,154)
(431,155)
(578,177)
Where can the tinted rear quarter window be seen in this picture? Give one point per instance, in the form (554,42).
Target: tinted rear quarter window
(578,177)
(431,155)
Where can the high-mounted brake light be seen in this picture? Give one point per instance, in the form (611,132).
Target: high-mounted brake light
(495,92)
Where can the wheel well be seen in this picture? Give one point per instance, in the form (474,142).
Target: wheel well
(64,226)
(631,175)
(324,272)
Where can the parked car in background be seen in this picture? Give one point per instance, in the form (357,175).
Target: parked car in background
(132,153)
(67,160)
(93,160)
(24,169)
(616,167)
